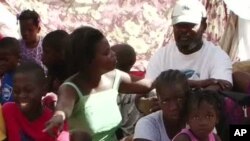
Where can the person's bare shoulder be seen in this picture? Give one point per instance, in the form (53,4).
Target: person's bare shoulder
(182,137)
(111,74)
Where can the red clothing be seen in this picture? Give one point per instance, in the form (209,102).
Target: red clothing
(19,128)
(138,73)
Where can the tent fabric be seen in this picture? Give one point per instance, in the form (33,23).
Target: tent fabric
(230,38)
(236,38)
(239,7)
(146,25)
(244,39)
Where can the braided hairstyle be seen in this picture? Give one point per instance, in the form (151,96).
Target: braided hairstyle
(170,78)
(33,69)
(198,96)
(173,79)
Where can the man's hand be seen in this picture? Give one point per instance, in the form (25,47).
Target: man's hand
(211,83)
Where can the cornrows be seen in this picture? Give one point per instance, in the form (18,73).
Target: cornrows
(171,77)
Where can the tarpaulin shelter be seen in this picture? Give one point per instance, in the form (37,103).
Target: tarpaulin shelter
(146,25)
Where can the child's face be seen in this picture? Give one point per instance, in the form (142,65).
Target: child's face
(105,58)
(50,57)
(28,92)
(29,30)
(202,119)
(8,61)
(171,100)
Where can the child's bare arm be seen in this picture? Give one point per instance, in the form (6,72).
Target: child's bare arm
(133,84)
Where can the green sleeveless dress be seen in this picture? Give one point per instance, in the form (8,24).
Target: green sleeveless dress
(98,113)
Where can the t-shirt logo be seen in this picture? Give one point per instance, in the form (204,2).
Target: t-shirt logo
(185,8)
(6,92)
(191,74)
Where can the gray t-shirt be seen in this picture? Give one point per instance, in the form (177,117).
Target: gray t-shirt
(151,127)
(130,114)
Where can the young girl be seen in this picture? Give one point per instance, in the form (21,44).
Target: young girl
(25,118)
(172,91)
(53,58)
(88,99)
(31,43)
(202,115)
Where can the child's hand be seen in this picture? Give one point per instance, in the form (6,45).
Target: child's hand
(55,125)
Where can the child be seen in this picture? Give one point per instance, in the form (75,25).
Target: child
(88,99)
(31,43)
(54,45)
(126,58)
(203,109)
(26,118)
(172,91)
(9,58)
(53,58)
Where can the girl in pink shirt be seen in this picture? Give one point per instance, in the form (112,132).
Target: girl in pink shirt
(202,115)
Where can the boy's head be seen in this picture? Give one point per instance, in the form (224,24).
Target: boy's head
(29,86)
(54,44)
(172,90)
(126,56)
(9,54)
(29,25)
(203,108)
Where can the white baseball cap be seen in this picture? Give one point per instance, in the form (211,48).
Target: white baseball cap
(190,11)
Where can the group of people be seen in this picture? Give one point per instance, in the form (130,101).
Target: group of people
(75,87)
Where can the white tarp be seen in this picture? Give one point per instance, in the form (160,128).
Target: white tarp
(244,39)
(239,7)
(8,23)
(242,9)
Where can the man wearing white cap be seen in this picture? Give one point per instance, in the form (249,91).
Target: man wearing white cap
(200,59)
(206,65)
